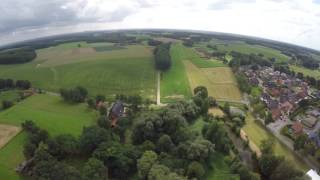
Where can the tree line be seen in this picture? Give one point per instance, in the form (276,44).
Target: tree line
(11,84)
(17,56)
(162,57)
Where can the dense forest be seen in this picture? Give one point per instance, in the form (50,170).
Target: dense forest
(162,57)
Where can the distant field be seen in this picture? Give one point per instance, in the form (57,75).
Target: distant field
(256,133)
(50,113)
(127,71)
(248,48)
(228,46)
(219,81)
(305,71)
(174,82)
(12,95)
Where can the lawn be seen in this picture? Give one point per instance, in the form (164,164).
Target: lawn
(219,81)
(174,82)
(127,71)
(257,132)
(50,113)
(306,71)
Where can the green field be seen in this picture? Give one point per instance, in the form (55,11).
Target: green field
(12,95)
(128,71)
(306,71)
(248,49)
(50,113)
(174,82)
(256,133)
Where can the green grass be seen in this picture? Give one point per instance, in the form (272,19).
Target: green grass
(248,49)
(257,132)
(220,170)
(126,71)
(50,113)
(174,82)
(11,95)
(256,91)
(306,71)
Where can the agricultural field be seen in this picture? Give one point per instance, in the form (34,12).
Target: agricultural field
(174,82)
(219,81)
(128,70)
(7,132)
(48,112)
(12,95)
(240,46)
(256,132)
(306,71)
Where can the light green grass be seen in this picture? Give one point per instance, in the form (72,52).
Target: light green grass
(174,82)
(48,112)
(256,133)
(256,91)
(11,95)
(128,71)
(306,71)
(248,49)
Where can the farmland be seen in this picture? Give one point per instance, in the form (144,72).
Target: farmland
(50,113)
(127,70)
(219,81)
(306,72)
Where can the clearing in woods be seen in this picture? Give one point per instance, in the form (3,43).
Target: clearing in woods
(7,132)
(219,81)
(48,112)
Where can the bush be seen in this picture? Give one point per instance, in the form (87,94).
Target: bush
(76,95)
(7,104)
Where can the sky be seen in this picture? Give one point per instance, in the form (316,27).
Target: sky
(292,21)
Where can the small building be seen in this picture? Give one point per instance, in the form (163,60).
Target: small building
(275,113)
(297,128)
(313,174)
(315,137)
(116,112)
(309,121)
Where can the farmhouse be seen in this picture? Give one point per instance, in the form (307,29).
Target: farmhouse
(116,112)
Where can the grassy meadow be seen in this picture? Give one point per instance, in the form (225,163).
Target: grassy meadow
(257,132)
(306,71)
(129,70)
(48,112)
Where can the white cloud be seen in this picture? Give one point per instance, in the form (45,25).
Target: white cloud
(293,21)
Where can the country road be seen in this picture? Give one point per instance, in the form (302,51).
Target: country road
(158,88)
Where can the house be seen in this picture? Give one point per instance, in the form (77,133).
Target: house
(313,174)
(315,137)
(273,104)
(254,81)
(275,113)
(116,112)
(286,107)
(309,121)
(297,128)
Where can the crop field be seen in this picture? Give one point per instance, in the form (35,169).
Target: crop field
(50,113)
(219,81)
(174,82)
(216,112)
(256,133)
(306,71)
(7,132)
(128,71)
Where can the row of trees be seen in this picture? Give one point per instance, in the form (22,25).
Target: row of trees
(10,84)
(74,95)
(17,56)
(240,59)
(162,57)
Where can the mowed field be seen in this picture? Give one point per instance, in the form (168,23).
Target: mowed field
(113,70)
(219,81)
(50,113)
(306,72)
(7,132)
(175,83)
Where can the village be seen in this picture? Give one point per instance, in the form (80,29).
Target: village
(291,103)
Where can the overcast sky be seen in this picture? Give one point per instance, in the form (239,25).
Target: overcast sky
(293,21)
